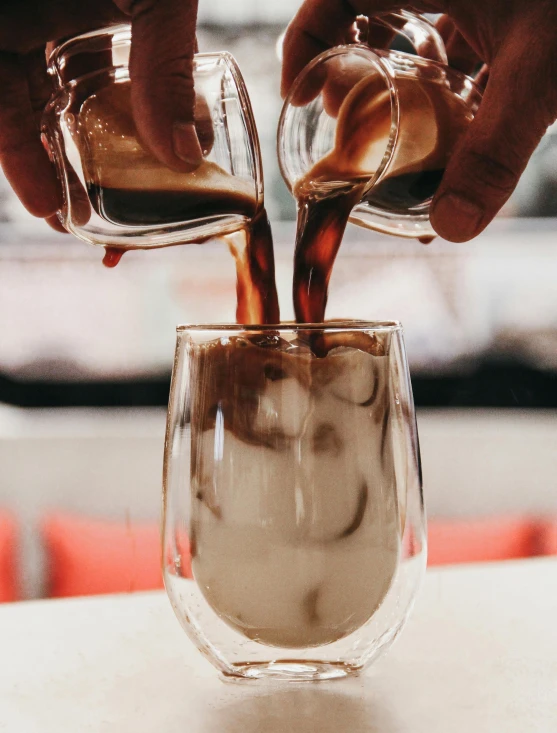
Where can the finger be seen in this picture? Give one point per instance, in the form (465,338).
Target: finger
(461,56)
(428,45)
(310,33)
(203,119)
(204,124)
(40,90)
(460,53)
(161,70)
(491,157)
(374,32)
(482,77)
(48,20)
(80,205)
(38,82)
(445,27)
(380,35)
(54,223)
(342,76)
(321,24)
(22,156)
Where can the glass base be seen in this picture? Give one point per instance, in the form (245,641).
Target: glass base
(290,671)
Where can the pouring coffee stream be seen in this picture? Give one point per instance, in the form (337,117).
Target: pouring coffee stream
(128,186)
(431,119)
(252,249)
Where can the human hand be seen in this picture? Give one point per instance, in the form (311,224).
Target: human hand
(162,94)
(517,41)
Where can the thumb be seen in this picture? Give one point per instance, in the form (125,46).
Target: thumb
(161,71)
(487,165)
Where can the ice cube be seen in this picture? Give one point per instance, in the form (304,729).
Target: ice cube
(283,407)
(354,375)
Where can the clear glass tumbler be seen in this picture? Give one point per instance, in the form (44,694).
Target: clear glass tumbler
(385,120)
(294,530)
(115,192)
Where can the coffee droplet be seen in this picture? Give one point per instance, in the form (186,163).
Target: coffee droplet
(112,256)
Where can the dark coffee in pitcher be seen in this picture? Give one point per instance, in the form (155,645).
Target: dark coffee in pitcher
(432,118)
(129,187)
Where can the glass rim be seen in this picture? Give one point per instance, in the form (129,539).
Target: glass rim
(388,77)
(121,35)
(381,59)
(289,326)
(121,30)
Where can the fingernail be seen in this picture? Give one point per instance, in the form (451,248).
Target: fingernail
(457,218)
(186,144)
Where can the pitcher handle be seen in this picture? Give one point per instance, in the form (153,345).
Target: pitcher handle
(419,31)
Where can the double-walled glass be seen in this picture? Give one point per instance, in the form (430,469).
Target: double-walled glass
(294,531)
(115,192)
(385,121)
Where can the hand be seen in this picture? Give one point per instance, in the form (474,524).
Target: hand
(161,59)
(518,42)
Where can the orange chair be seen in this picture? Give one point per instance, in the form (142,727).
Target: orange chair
(91,556)
(482,540)
(9,536)
(549,540)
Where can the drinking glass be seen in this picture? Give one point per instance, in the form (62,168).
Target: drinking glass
(385,119)
(115,192)
(293,524)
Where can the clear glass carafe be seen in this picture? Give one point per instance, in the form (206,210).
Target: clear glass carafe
(115,192)
(384,120)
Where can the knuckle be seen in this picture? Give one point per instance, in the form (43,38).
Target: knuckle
(17,137)
(175,78)
(171,70)
(485,170)
(133,7)
(171,90)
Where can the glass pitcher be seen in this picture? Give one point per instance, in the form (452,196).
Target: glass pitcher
(115,192)
(389,120)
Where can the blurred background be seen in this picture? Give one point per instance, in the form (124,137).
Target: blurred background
(86,355)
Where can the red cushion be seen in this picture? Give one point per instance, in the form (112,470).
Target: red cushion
(549,540)
(482,540)
(91,556)
(8,558)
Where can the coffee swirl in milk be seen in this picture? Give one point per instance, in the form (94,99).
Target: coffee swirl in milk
(294,521)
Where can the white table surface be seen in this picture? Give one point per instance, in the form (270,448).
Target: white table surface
(478,656)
